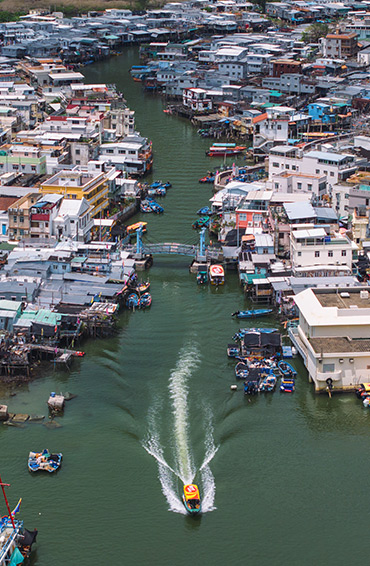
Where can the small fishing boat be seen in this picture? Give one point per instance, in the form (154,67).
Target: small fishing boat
(202,222)
(233,351)
(44,461)
(158,192)
(268,384)
(207,179)
(157,184)
(252,313)
(243,331)
(241,370)
(216,275)
(132,301)
(145,301)
(286,369)
(287,385)
(191,499)
(204,211)
(225,149)
(143,287)
(202,277)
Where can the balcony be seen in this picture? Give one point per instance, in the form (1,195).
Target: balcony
(334,375)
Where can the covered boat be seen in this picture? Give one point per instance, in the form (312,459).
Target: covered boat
(225,149)
(191,499)
(216,275)
(241,370)
(233,351)
(44,461)
(251,313)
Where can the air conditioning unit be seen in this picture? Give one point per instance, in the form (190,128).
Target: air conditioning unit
(364,294)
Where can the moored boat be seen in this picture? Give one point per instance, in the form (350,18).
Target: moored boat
(252,313)
(143,287)
(204,211)
(202,222)
(44,461)
(191,499)
(132,301)
(223,150)
(216,275)
(145,301)
(233,350)
(286,369)
(15,541)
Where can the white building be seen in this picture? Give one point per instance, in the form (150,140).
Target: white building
(332,336)
(74,220)
(335,167)
(196,99)
(314,253)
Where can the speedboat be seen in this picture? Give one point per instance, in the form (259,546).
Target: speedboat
(191,499)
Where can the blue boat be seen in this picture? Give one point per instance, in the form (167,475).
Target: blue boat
(150,205)
(286,369)
(204,211)
(233,351)
(158,192)
(132,301)
(202,277)
(268,383)
(243,331)
(252,313)
(44,461)
(241,370)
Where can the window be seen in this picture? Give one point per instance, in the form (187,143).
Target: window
(279,127)
(317,254)
(14,218)
(309,187)
(317,171)
(286,166)
(242,217)
(299,254)
(276,186)
(330,254)
(299,185)
(344,253)
(294,167)
(328,368)
(21,219)
(78,151)
(331,173)
(275,164)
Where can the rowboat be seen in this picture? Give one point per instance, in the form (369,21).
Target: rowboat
(191,499)
(251,313)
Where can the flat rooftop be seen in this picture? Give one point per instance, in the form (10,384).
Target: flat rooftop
(338,345)
(343,299)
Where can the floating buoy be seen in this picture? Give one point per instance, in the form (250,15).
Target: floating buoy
(233,387)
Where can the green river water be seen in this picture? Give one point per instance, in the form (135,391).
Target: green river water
(283,477)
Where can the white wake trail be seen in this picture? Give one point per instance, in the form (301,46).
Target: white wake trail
(178,386)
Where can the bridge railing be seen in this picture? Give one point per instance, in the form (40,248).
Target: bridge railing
(173,249)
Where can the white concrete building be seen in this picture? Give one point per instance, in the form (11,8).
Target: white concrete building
(314,253)
(74,220)
(332,336)
(335,167)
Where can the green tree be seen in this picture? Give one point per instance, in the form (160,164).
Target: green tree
(314,32)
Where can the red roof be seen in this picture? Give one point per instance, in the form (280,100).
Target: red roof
(259,118)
